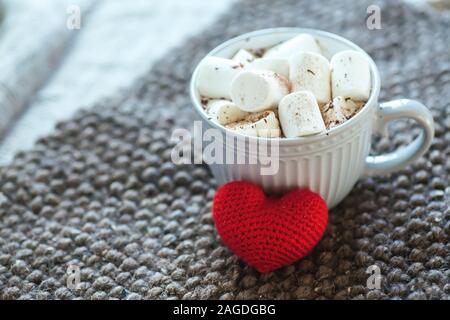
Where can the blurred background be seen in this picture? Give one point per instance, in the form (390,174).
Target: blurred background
(57,56)
(50,66)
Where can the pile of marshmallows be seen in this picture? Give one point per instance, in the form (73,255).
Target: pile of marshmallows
(291,84)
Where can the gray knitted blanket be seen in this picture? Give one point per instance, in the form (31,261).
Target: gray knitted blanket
(101,196)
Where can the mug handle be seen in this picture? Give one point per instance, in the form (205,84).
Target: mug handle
(394,110)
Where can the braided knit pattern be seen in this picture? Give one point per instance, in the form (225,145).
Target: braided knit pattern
(268,233)
(102,193)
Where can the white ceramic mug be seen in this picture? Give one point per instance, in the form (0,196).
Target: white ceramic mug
(331,162)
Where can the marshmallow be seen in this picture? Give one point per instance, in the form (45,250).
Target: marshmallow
(348,106)
(261,124)
(215,76)
(350,76)
(300,115)
(332,114)
(339,110)
(258,90)
(300,43)
(311,71)
(277,65)
(244,57)
(224,112)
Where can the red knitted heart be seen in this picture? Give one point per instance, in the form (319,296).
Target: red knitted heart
(268,233)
